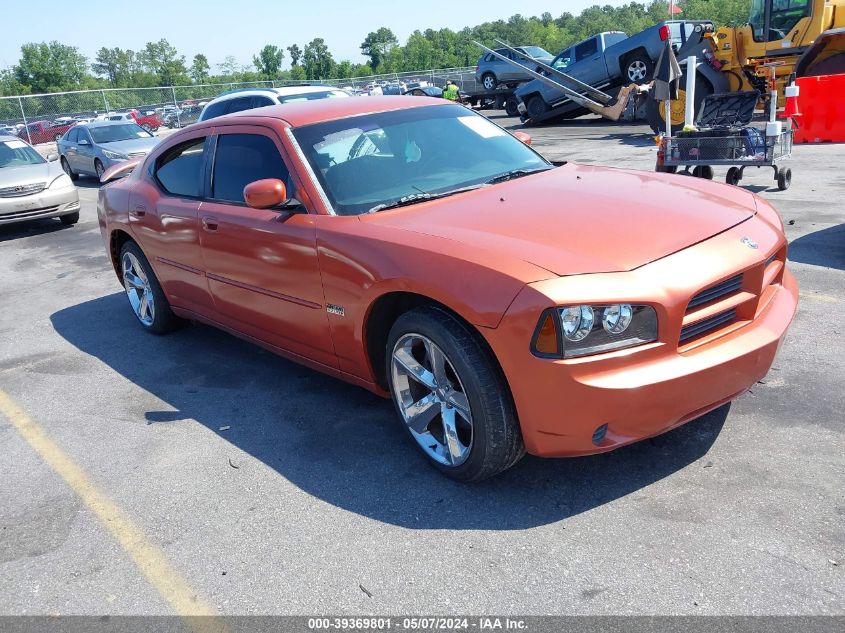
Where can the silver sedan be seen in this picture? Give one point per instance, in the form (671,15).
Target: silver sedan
(91,148)
(32,187)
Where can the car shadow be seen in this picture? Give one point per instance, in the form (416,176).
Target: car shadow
(820,248)
(344,445)
(28,228)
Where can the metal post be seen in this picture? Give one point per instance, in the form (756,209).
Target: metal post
(175,105)
(689,109)
(105,102)
(25,124)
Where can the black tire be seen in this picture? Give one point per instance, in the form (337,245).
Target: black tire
(536,107)
(70,218)
(68,170)
(496,438)
(98,167)
(655,119)
(703,171)
(511,106)
(733,176)
(638,69)
(784,178)
(667,169)
(489,81)
(164,320)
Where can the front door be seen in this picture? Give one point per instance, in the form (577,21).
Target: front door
(262,264)
(83,160)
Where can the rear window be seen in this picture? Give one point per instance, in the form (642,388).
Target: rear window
(179,170)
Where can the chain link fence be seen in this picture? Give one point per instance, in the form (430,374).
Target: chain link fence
(46,117)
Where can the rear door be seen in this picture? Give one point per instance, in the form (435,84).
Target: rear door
(164,216)
(262,264)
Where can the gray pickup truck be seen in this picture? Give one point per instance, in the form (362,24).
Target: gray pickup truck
(604,61)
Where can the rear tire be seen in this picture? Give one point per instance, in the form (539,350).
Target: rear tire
(638,69)
(68,170)
(784,178)
(486,438)
(733,176)
(511,106)
(142,289)
(703,171)
(489,81)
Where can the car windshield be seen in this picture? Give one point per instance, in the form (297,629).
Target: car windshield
(16,153)
(377,159)
(115,133)
(536,51)
(310,96)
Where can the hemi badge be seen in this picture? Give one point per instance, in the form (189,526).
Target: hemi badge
(334,309)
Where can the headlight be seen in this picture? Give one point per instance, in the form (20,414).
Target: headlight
(593,329)
(114,155)
(60,182)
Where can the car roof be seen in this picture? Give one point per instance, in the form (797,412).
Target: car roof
(10,137)
(282,92)
(105,123)
(321,110)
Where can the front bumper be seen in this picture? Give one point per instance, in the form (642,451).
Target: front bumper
(50,203)
(648,390)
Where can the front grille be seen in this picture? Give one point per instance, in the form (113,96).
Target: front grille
(716,292)
(700,328)
(22,190)
(137,154)
(29,213)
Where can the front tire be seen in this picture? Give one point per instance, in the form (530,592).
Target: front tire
(98,167)
(66,166)
(451,396)
(536,107)
(145,295)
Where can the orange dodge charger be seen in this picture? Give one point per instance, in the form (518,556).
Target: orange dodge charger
(414,248)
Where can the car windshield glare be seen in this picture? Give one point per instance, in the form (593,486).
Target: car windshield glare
(311,96)
(115,133)
(16,153)
(536,51)
(374,160)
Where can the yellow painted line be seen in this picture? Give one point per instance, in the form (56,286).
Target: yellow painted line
(818,297)
(151,561)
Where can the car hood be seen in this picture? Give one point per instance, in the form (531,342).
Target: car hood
(29,174)
(581,219)
(131,146)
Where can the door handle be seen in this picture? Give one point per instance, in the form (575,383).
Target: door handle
(139,211)
(209,224)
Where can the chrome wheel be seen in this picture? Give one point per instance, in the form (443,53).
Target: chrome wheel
(138,289)
(432,399)
(489,82)
(98,167)
(637,71)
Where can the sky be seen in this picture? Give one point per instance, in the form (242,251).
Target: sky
(242,27)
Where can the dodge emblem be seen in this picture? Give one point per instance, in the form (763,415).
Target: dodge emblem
(749,242)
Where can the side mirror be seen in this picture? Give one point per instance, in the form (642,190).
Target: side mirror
(52,157)
(82,141)
(522,136)
(265,193)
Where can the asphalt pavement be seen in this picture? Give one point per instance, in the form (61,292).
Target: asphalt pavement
(268,488)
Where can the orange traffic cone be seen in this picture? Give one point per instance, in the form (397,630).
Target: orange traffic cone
(791,93)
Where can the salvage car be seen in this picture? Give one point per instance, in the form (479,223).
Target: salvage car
(32,187)
(241,99)
(415,248)
(44,131)
(490,71)
(91,148)
(150,122)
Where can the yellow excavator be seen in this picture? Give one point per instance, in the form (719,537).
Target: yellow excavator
(798,38)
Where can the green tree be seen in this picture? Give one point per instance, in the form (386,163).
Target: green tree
(317,59)
(269,60)
(229,67)
(50,67)
(115,65)
(297,73)
(295,54)
(162,59)
(377,44)
(199,68)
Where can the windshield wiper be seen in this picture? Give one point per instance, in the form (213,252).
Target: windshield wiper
(515,173)
(414,198)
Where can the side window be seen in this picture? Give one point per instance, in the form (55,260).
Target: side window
(179,170)
(239,104)
(73,135)
(241,159)
(563,60)
(260,102)
(586,49)
(215,110)
(84,135)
